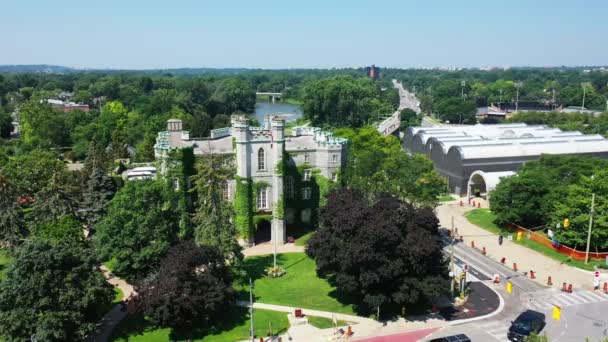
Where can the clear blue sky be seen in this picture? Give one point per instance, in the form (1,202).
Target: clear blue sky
(305,33)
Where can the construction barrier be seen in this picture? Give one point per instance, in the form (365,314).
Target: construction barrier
(606,287)
(549,282)
(532,276)
(515,267)
(483,251)
(472,244)
(502,261)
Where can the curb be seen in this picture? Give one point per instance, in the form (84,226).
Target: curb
(501,306)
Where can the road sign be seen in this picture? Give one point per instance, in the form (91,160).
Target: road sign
(557,312)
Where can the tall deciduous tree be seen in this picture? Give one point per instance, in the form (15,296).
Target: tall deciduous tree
(213,217)
(387,253)
(138,229)
(191,287)
(377,165)
(52,292)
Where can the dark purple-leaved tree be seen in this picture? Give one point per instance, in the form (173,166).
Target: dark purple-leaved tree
(387,253)
(191,287)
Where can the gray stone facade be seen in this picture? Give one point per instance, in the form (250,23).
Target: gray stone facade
(259,154)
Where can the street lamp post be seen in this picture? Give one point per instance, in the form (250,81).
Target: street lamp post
(452,259)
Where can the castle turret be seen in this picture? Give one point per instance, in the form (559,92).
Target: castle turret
(278,209)
(240,133)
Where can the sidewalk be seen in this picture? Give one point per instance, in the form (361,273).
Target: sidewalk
(526,259)
(363,327)
(267,248)
(114,316)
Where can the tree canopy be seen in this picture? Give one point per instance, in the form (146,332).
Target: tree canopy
(52,292)
(546,191)
(378,164)
(138,229)
(387,253)
(192,286)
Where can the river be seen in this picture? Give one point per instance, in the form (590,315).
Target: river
(292,112)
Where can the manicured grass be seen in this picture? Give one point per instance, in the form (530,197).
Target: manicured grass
(324,323)
(235,328)
(294,102)
(110,264)
(5,259)
(117,295)
(303,240)
(300,287)
(484,218)
(445,198)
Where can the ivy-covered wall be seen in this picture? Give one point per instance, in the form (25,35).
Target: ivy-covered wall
(243,202)
(180,167)
(320,187)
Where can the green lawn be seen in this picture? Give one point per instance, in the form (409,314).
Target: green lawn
(324,323)
(484,218)
(117,295)
(445,198)
(300,287)
(5,259)
(236,328)
(110,264)
(303,240)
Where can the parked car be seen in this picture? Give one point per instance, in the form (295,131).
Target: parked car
(453,338)
(526,323)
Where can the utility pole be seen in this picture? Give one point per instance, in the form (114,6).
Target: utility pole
(462,84)
(452,259)
(274,244)
(517,86)
(590,225)
(584,93)
(251,309)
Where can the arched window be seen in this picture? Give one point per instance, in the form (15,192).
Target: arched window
(261,159)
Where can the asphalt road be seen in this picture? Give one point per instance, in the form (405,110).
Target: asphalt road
(584,314)
(406,99)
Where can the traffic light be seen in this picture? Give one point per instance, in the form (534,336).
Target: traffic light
(500,240)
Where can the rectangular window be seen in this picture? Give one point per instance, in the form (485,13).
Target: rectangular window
(307,158)
(307,174)
(290,187)
(334,177)
(262,199)
(334,158)
(225,190)
(306,192)
(175,182)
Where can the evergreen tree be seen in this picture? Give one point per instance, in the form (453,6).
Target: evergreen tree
(55,200)
(12,227)
(213,217)
(97,157)
(99,191)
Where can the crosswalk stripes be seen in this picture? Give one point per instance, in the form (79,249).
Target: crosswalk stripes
(543,303)
(498,329)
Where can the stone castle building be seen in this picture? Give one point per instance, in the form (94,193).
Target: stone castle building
(280,179)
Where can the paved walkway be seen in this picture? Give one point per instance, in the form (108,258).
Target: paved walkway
(526,259)
(268,248)
(362,327)
(114,316)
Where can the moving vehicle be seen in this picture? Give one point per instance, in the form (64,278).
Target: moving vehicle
(526,323)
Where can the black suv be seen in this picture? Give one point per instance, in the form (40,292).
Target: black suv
(526,323)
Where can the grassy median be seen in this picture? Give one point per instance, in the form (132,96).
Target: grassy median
(484,218)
